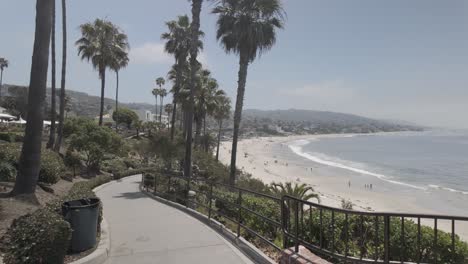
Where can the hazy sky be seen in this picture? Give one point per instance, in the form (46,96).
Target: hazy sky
(394,59)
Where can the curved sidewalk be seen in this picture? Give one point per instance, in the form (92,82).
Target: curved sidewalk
(143,230)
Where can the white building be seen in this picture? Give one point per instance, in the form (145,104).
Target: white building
(148,116)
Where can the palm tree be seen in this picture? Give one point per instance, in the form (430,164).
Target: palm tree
(118,64)
(101,43)
(58,143)
(300,191)
(30,158)
(194,46)
(178,41)
(160,81)
(155,92)
(168,109)
(3,65)
(53,112)
(221,112)
(246,28)
(162,94)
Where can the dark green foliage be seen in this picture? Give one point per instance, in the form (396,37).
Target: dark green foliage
(72,160)
(51,167)
(11,137)
(51,164)
(7,171)
(311,232)
(209,168)
(40,237)
(93,142)
(125,173)
(125,116)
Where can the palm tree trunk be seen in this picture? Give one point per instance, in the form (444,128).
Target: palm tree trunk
(198,126)
(204,125)
(30,158)
(173,117)
(58,143)
(161,100)
(243,67)
(219,139)
(195,28)
(51,141)
(155,108)
(117,91)
(1,82)
(103,85)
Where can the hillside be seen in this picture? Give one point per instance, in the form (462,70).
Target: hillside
(308,121)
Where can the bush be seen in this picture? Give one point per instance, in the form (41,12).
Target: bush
(51,167)
(40,237)
(7,172)
(72,160)
(51,164)
(93,141)
(10,153)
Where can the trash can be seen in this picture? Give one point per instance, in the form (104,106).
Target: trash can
(83,218)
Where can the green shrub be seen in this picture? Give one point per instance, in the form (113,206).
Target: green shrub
(126,173)
(72,160)
(51,167)
(7,171)
(93,142)
(11,137)
(114,165)
(51,164)
(40,237)
(10,152)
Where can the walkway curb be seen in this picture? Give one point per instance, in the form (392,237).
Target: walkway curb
(243,245)
(101,253)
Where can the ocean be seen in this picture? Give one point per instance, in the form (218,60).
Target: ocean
(431,165)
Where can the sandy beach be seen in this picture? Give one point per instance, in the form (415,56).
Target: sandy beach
(271,160)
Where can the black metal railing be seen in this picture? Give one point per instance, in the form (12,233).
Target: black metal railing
(340,235)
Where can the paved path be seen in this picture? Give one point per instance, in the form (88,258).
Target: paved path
(143,230)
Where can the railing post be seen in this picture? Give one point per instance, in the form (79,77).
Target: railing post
(284,220)
(187,196)
(296,220)
(387,238)
(239,216)
(211,200)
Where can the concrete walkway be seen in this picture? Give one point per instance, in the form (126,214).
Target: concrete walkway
(143,230)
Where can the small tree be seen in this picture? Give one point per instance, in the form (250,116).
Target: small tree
(93,141)
(125,116)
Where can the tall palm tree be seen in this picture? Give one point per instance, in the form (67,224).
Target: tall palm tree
(168,109)
(58,143)
(53,112)
(118,64)
(300,191)
(221,111)
(162,94)
(101,43)
(160,81)
(3,65)
(194,47)
(178,40)
(248,29)
(155,93)
(30,158)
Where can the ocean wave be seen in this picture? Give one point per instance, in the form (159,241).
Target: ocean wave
(296,147)
(437,187)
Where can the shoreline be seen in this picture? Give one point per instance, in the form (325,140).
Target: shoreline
(270,159)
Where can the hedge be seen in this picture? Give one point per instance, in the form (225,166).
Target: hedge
(11,137)
(36,238)
(51,164)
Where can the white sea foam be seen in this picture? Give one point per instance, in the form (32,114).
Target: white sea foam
(437,187)
(296,147)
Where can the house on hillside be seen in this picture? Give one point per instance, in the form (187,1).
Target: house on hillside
(148,116)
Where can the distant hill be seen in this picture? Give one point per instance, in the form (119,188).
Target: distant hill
(308,121)
(83,104)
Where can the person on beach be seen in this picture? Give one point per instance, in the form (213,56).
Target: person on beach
(371,186)
(349,184)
